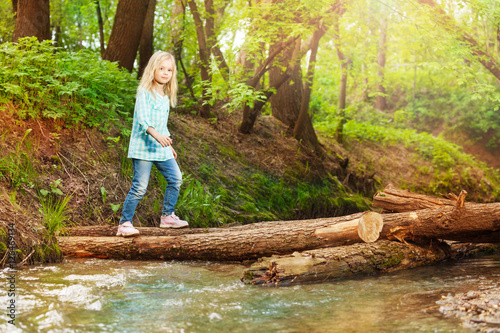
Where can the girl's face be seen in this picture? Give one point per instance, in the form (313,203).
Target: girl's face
(165,72)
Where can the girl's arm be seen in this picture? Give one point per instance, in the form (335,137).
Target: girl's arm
(164,140)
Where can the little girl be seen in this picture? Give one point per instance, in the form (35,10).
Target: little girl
(150,142)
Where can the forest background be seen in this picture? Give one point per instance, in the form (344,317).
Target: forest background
(288,108)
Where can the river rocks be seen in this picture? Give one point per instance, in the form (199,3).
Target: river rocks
(478,309)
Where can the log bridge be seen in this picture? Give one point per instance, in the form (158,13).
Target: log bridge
(409,232)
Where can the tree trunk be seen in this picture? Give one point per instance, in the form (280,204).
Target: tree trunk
(450,25)
(285,104)
(465,224)
(250,242)
(146,43)
(211,38)
(344,67)
(247,242)
(14,6)
(381,103)
(33,19)
(250,113)
(177,24)
(101,25)
(303,128)
(360,259)
(126,33)
(204,52)
(57,35)
(332,263)
(393,199)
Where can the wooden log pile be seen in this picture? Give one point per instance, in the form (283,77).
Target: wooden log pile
(410,232)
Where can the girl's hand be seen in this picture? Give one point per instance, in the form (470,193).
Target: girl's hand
(174,152)
(163,140)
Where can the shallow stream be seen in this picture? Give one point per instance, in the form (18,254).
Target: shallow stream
(95,295)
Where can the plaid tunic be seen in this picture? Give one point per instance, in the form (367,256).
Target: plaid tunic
(150,111)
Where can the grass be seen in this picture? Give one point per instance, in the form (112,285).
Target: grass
(451,167)
(55,211)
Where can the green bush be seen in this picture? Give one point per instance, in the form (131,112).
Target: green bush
(43,81)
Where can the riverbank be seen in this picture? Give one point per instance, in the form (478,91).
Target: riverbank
(478,309)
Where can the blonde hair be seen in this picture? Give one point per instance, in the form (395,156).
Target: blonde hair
(148,77)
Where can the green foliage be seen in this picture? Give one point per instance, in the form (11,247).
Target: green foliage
(19,166)
(76,88)
(197,205)
(54,188)
(7,21)
(302,200)
(237,94)
(77,22)
(451,164)
(54,211)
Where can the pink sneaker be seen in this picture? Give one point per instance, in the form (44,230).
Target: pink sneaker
(127,230)
(172,221)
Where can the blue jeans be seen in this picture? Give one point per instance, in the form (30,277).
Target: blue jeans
(142,169)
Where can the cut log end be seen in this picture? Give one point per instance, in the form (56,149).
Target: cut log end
(369,226)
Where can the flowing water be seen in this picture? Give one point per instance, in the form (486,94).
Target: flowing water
(95,295)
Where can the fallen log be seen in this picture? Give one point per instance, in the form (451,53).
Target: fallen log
(250,242)
(247,242)
(370,224)
(463,224)
(392,199)
(360,259)
(110,231)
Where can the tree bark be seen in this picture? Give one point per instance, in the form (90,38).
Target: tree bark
(101,25)
(345,261)
(126,33)
(381,103)
(303,129)
(146,44)
(450,25)
(250,113)
(393,199)
(14,6)
(247,242)
(250,242)
(177,40)
(33,19)
(285,104)
(204,52)
(344,67)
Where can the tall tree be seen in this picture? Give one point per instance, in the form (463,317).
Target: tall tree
(285,104)
(126,33)
(250,113)
(33,19)
(177,23)
(303,129)
(146,43)
(344,68)
(207,46)
(381,103)
(101,26)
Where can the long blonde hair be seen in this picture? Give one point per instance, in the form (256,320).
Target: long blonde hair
(148,77)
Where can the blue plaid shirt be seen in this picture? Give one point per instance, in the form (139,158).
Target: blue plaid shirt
(150,111)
